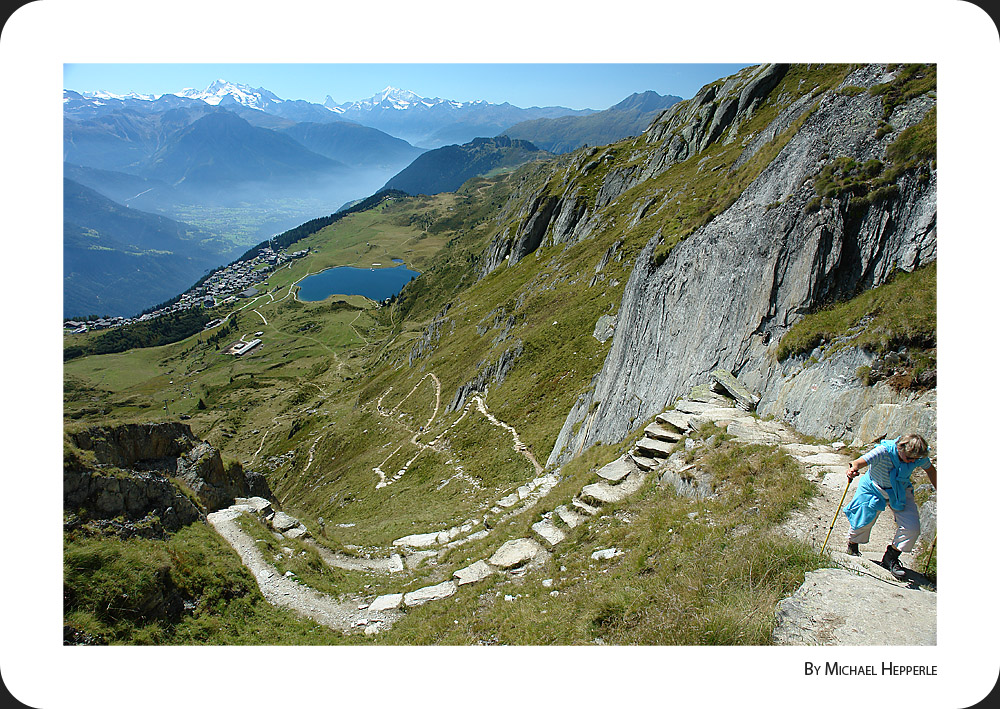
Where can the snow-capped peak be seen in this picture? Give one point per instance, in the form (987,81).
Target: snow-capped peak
(220,91)
(107,95)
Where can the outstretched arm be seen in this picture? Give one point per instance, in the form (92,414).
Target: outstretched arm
(932,474)
(854,469)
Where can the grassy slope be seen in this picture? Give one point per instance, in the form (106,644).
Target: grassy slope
(314,389)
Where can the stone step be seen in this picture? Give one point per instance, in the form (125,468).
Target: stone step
(654,448)
(429,593)
(548,532)
(662,433)
(686,406)
(644,462)
(617,470)
(677,419)
(601,493)
(568,517)
(586,509)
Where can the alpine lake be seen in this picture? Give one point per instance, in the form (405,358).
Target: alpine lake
(375,283)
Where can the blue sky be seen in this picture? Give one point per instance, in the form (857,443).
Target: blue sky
(579,85)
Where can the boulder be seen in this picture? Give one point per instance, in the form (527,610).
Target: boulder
(282,522)
(514,553)
(474,572)
(725,382)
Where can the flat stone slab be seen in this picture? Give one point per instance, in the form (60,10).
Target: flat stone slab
(662,433)
(417,540)
(603,493)
(548,532)
(838,607)
(617,469)
(388,602)
(429,593)
(677,419)
(825,459)
(803,449)
(570,518)
(474,572)
(751,433)
(644,462)
(653,448)
(509,501)
(515,552)
(687,406)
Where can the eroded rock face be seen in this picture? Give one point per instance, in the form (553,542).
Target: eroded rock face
(135,479)
(132,443)
(724,296)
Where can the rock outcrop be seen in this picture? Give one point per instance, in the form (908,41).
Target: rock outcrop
(724,296)
(154,477)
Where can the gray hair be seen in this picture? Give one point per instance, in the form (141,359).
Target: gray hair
(912,445)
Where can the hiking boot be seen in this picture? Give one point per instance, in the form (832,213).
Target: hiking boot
(891,562)
(852,549)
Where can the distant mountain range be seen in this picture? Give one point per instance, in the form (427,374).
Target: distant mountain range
(120,261)
(445,169)
(235,164)
(567,133)
(425,122)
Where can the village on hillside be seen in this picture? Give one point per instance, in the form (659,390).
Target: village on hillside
(237,280)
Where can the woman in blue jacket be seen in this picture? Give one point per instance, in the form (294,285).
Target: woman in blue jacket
(890,465)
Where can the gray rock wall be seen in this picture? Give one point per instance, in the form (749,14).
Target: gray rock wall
(724,296)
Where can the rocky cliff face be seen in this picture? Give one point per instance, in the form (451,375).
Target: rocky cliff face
(725,295)
(137,474)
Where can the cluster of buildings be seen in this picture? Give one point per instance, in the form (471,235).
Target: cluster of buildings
(236,280)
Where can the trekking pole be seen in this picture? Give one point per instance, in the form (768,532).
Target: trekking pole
(927,564)
(836,514)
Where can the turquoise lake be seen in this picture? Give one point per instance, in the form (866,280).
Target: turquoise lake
(373,283)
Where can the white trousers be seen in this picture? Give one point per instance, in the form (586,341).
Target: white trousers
(907,525)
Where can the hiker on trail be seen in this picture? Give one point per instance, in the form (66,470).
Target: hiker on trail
(890,465)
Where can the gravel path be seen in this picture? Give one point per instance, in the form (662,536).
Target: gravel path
(857,602)
(344,614)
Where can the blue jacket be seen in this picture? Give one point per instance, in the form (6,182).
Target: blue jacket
(867,503)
